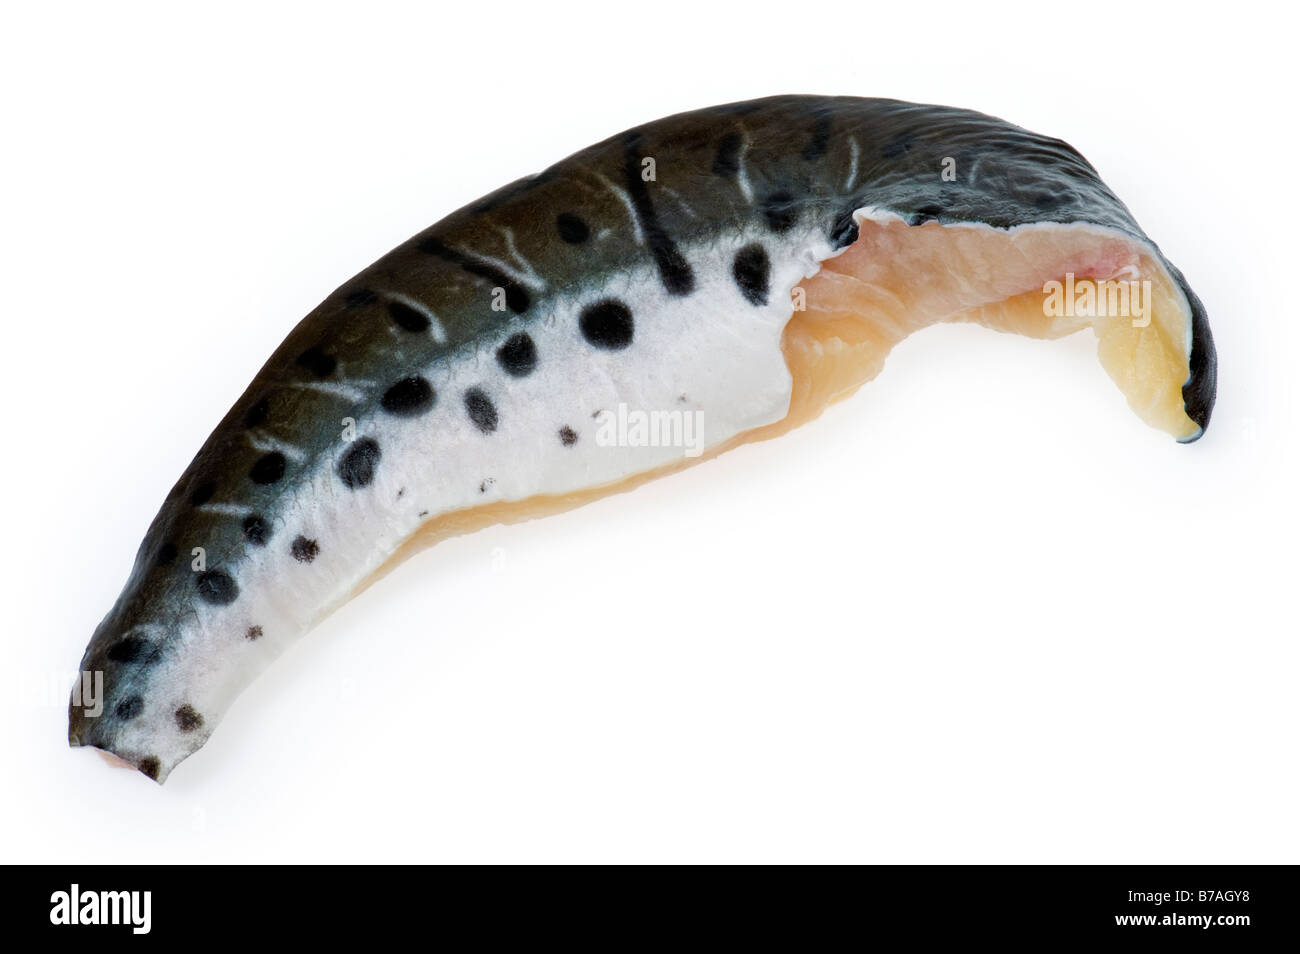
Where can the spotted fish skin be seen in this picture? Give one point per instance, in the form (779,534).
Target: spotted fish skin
(466,367)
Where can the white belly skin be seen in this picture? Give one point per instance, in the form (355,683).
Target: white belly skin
(712,351)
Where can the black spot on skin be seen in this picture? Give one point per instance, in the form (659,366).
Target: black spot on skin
(926,213)
(517,297)
(568,436)
(187,720)
(304,550)
(129,708)
(487,482)
(674,271)
(359,297)
(128,649)
(571,228)
(409,397)
(844,231)
(166,553)
(899,145)
(481,410)
(216,587)
(268,469)
(317,362)
(254,632)
(518,356)
(607,324)
(150,766)
(255,416)
(779,211)
(752,270)
(517,300)
(357,467)
(727,162)
(203,493)
(255,530)
(407,317)
(821,136)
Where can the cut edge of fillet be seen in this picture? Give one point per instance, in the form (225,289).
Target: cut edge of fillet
(897,278)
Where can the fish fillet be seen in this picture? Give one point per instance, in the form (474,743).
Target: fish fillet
(712,278)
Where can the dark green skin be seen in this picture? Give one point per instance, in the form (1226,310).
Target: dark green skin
(797,155)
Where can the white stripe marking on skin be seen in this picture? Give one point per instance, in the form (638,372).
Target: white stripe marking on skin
(336,388)
(265,443)
(627,204)
(435,325)
(680,201)
(742,177)
(530,278)
(228,509)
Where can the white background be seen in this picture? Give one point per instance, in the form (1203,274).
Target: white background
(979,612)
